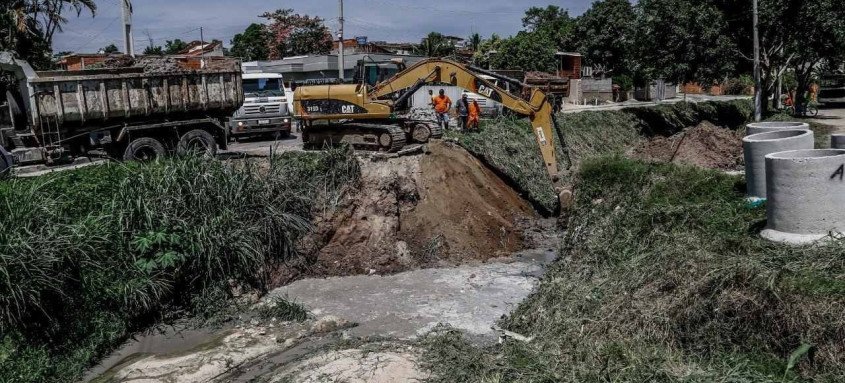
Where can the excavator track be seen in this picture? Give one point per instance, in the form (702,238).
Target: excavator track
(422,132)
(376,137)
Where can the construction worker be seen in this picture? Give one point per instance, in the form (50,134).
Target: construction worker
(462,108)
(474,114)
(442,105)
(431,98)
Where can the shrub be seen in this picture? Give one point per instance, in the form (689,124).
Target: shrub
(739,86)
(625,82)
(87,257)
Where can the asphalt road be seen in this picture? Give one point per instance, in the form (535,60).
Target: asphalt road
(833,117)
(264,148)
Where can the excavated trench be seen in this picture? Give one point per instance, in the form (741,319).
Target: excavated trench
(418,241)
(438,209)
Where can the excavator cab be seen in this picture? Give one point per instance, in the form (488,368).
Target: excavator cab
(372,72)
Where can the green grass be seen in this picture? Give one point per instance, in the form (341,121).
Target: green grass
(89,256)
(663,278)
(509,146)
(283,310)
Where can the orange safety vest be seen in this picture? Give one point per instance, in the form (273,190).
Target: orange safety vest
(441,103)
(474,110)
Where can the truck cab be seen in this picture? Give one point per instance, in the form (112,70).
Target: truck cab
(265,110)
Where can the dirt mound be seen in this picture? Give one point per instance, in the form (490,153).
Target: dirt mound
(444,207)
(705,145)
(164,64)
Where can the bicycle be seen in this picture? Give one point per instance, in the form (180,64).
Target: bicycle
(810,109)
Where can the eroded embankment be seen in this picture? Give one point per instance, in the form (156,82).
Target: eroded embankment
(441,208)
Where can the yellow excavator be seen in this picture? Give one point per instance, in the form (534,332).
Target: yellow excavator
(377,117)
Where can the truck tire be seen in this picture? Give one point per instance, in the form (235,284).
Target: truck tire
(144,149)
(197,141)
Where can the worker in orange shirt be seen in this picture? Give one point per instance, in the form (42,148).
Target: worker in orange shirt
(442,105)
(474,113)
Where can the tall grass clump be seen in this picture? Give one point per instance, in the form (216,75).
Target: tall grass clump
(89,256)
(509,147)
(663,277)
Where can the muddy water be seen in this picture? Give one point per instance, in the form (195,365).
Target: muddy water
(169,340)
(403,306)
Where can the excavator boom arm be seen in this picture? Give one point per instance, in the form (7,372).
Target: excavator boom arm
(537,108)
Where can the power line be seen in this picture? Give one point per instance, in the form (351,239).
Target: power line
(114,20)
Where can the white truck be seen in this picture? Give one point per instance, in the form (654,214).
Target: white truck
(266,110)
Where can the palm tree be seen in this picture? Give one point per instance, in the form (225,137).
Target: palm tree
(435,45)
(44,17)
(475,42)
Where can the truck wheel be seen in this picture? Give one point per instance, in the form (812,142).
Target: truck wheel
(197,141)
(144,149)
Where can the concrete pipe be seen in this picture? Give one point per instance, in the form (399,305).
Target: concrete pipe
(757,146)
(837,141)
(806,190)
(763,127)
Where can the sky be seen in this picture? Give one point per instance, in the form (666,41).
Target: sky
(387,20)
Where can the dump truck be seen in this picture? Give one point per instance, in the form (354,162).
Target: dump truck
(130,113)
(265,111)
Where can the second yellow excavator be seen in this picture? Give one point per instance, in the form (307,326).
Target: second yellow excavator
(377,117)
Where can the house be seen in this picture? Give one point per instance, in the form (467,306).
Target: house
(324,67)
(568,65)
(208,49)
(81,61)
(401,49)
(358,46)
(456,41)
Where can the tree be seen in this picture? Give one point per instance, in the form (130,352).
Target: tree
(27,26)
(292,34)
(435,45)
(475,42)
(553,22)
(252,44)
(819,42)
(110,49)
(154,50)
(486,49)
(797,34)
(528,51)
(604,34)
(682,40)
(173,47)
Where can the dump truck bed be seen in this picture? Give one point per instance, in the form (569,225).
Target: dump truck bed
(105,97)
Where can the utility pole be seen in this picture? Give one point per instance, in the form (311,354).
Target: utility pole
(128,43)
(758,87)
(202,49)
(340,63)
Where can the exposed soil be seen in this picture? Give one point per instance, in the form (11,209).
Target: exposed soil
(440,208)
(706,145)
(160,64)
